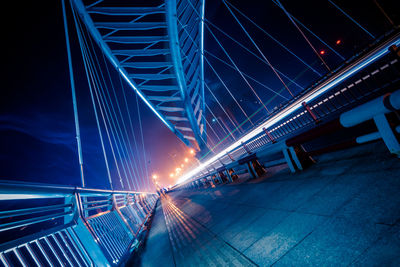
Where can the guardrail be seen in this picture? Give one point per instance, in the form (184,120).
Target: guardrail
(379,77)
(290,150)
(50,225)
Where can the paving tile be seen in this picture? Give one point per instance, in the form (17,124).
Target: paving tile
(337,242)
(257,229)
(379,202)
(157,244)
(283,237)
(385,252)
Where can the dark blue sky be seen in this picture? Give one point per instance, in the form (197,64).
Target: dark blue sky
(37,134)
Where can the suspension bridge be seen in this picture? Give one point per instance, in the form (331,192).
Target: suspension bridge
(297,157)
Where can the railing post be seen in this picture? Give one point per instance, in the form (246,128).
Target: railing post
(387,134)
(269,135)
(229,155)
(313,116)
(246,148)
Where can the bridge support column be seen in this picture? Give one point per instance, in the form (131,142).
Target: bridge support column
(297,158)
(376,110)
(255,169)
(229,176)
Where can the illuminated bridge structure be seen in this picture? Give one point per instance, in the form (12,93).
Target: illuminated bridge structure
(263,200)
(160,61)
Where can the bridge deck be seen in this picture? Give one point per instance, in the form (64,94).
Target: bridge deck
(345,210)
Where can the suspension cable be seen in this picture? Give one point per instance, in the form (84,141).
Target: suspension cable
(142,176)
(302,34)
(130,155)
(353,20)
(103,111)
(219,123)
(74,103)
(274,39)
(114,124)
(143,147)
(219,104)
(248,76)
(313,34)
(90,78)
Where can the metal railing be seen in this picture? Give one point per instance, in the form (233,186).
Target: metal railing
(373,79)
(50,225)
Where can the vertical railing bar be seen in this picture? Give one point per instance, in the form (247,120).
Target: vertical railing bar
(53,250)
(103,237)
(76,242)
(107,239)
(69,248)
(32,254)
(3,260)
(111,238)
(44,253)
(117,224)
(62,249)
(19,256)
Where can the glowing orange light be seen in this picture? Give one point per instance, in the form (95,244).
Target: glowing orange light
(186,160)
(192,151)
(338,42)
(155,176)
(171,175)
(322,52)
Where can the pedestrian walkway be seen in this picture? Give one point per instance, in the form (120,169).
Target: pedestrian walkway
(344,210)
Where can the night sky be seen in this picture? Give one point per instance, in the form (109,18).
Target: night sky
(37,133)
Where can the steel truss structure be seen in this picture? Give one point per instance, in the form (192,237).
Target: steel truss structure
(155,49)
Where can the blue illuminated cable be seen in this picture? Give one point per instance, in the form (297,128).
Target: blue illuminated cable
(245,48)
(222,82)
(302,34)
(114,124)
(133,134)
(238,70)
(93,101)
(215,134)
(258,49)
(313,34)
(219,123)
(220,105)
(233,123)
(274,39)
(251,52)
(104,115)
(248,76)
(129,146)
(104,118)
(353,20)
(227,89)
(143,146)
(74,102)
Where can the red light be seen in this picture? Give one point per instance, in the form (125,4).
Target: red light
(338,42)
(322,52)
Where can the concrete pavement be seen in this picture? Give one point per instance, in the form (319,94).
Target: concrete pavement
(344,210)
